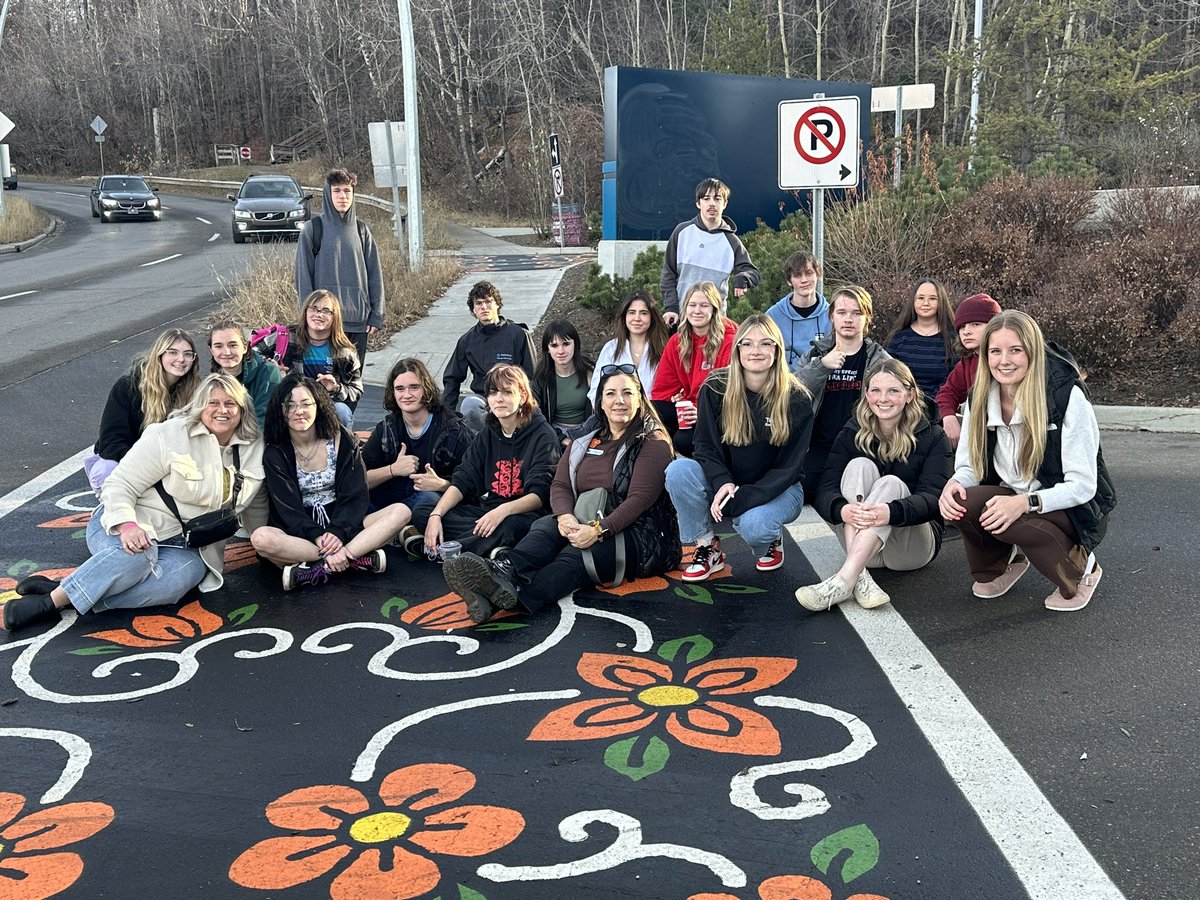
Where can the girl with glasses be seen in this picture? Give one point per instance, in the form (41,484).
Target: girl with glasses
(232,354)
(880,489)
(159,382)
(752,432)
(319,349)
(317,485)
(923,338)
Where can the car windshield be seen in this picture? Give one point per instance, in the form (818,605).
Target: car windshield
(258,190)
(123,184)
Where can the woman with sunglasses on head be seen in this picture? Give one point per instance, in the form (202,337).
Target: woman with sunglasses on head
(560,381)
(704,342)
(412,454)
(503,482)
(641,339)
(880,489)
(754,423)
(159,382)
(1029,473)
(206,457)
(319,349)
(233,355)
(319,525)
(634,536)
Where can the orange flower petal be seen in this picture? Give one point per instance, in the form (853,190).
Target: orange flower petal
(7,584)
(75,520)
(589,720)
(866,897)
(408,876)
(470,830)
(636,586)
(712,897)
(723,728)
(306,809)
(622,673)
(284,862)
(163,628)
(793,887)
(446,611)
(57,826)
(125,639)
(41,876)
(740,675)
(425,785)
(10,806)
(207,622)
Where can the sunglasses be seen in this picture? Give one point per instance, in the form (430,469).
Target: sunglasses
(622,369)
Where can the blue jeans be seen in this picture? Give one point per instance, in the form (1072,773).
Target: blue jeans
(345,414)
(692,497)
(113,579)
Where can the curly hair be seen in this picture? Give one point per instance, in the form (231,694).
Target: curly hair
(276,429)
(431,397)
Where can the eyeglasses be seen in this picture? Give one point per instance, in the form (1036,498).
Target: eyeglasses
(289,406)
(623,369)
(485,301)
(321,311)
(746,344)
(179,354)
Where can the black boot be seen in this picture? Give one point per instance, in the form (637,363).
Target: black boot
(26,610)
(35,584)
(461,574)
(508,584)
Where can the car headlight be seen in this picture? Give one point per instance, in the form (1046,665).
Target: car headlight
(152,203)
(108,204)
(241,214)
(296,214)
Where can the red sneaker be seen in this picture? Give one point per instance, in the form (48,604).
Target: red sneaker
(706,562)
(772,559)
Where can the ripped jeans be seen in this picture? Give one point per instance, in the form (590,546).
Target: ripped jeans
(113,579)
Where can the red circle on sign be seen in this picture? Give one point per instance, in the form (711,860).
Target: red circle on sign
(833,148)
(245,152)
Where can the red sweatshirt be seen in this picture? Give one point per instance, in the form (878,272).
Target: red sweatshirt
(672,377)
(957,385)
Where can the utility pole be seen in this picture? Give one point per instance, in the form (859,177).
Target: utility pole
(3,16)
(416,228)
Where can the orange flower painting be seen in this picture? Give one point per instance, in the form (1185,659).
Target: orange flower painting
(381,849)
(790,887)
(31,864)
(692,706)
(192,621)
(445,613)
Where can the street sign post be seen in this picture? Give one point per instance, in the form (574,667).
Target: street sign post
(6,125)
(818,143)
(897,98)
(98,126)
(389,154)
(556,175)
(245,153)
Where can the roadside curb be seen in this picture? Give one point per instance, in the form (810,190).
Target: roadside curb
(36,239)
(1159,419)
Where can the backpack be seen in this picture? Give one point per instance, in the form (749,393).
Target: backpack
(271,342)
(317,228)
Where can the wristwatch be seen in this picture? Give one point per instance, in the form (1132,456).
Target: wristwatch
(602,533)
(1035,502)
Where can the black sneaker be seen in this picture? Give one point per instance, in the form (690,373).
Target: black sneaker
(412,541)
(22,611)
(35,584)
(374,562)
(304,573)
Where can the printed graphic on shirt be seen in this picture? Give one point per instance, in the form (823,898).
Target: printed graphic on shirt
(506,481)
(844,380)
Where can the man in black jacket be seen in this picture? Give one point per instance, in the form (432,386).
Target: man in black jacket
(491,341)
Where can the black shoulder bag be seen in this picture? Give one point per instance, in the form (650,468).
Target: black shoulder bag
(211,527)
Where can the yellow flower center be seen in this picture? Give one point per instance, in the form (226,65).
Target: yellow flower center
(669,695)
(381,827)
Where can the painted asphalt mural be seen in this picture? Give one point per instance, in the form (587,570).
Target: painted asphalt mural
(363,740)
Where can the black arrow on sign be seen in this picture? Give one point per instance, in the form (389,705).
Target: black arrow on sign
(843,173)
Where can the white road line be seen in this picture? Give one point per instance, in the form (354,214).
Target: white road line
(216,235)
(1027,829)
(18,497)
(163,260)
(68,194)
(205,221)
(18,294)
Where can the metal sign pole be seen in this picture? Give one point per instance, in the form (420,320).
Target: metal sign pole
(818,235)
(396,226)
(899,122)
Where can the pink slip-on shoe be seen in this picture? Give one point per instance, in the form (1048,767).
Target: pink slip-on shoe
(1083,594)
(998,587)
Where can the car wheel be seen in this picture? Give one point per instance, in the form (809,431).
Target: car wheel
(95,213)
(238,237)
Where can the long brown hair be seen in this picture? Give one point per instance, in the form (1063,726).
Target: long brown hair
(337,334)
(945,315)
(656,337)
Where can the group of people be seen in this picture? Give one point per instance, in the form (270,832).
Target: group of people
(553,473)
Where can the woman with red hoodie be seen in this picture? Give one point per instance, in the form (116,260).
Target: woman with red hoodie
(969,318)
(704,342)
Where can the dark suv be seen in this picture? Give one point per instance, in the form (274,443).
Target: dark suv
(120,197)
(269,204)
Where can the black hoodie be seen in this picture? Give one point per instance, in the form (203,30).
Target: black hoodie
(496,469)
(482,347)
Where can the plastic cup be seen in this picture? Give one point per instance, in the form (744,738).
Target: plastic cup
(449,550)
(685,413)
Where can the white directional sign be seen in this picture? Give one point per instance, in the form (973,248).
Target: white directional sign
(818,143)
(911,96)
(6,125)
(556,176)
(98,125)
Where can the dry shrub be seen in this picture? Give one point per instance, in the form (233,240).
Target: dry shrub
(21,221)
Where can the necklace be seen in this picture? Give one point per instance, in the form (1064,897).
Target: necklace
(308,457)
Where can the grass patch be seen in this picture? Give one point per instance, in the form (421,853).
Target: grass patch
(267,293)
(21,221)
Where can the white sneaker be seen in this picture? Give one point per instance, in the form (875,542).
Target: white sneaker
(868,594)
(820,597)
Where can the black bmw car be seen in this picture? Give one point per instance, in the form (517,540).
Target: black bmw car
(117,198)
(269,204)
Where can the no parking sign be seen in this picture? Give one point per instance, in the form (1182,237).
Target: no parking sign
(818,143)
